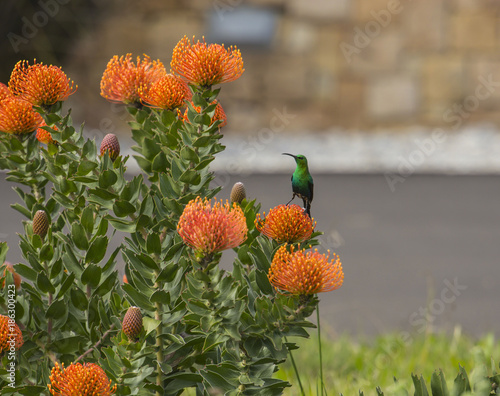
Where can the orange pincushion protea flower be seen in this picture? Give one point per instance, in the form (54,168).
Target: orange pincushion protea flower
(80,380)
(18,117)
(169,92)
(209,229)
(11,337)
(122,79)
(206,64)
(300,273)
(40,84)
(219,114)
(286,223)
(4,91)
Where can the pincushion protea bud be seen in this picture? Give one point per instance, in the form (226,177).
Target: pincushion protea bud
(238,192)
(40,223)
(111,145)
(11,337)
(17,278)
(132,323)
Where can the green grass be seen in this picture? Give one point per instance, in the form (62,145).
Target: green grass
(351,365)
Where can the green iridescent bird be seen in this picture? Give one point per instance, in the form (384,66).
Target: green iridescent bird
(302,182)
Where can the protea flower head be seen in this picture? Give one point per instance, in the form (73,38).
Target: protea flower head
(111,145)
(10,268)
(169,92)
(18,117)
(11,337)
(301,273)
(286,223)
(132,323)
(40,84)
(123,79)
(4,91)
(205,64)
(40,223)
(210,229)
(238,192)
(78,379)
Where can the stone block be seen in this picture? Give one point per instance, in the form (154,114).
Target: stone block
(440,74)
(350,101)
(392,97)
(296,36)
(285,78)
(370,10)
(474,31)
(319,9)
(483,80)
(428,35)
(381,53)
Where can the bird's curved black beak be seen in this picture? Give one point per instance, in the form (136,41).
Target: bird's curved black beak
(291,155)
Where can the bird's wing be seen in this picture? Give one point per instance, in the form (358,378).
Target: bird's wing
(311,188)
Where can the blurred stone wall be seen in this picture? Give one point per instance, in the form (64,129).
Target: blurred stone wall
(355,64)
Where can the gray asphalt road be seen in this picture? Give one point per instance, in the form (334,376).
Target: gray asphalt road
(424,256)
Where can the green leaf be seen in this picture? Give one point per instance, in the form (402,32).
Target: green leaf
(65,286)
(97,250)
(106,286)
(438,384)
(79,236)
(420,387)
(202,141)
(122,225)
(190,176)
(79,299)
(43,283)
(87,219)
(105,195)
(21,209)
(46,252)
(57,309)
(123,208)
(138,298)
(153,244)
(92,275)
(150,324)
(150,148)
(26,272)
(85,167)
(4,248)
(160,162)
(212,340)
(107,179)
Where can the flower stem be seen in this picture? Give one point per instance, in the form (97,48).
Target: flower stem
(295,370)
(159,339)
(322,383)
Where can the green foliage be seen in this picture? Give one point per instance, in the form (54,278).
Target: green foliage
(204,328)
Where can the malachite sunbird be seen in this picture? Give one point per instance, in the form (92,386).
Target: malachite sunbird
(302,182)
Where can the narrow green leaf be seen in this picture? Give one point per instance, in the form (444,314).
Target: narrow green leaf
(43,283)
(97,250)
(79,236)
(153,244)
(92,275)
(57,309)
